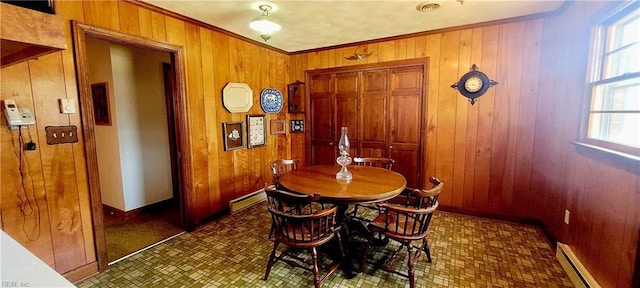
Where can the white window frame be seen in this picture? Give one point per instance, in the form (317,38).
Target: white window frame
(597,78)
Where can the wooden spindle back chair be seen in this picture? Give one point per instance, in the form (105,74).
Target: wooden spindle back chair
(280,167)
(407,221)
(384,163)
(299,223)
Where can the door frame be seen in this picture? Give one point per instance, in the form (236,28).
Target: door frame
(80,33)
(422,61)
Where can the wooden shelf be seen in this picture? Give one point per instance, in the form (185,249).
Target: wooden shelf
(27,34)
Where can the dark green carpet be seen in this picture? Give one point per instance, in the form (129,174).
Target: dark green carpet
(127,236)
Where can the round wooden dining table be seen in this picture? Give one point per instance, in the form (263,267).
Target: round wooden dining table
(369,184)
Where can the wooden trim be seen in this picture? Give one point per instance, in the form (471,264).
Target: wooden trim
(114,211)
(82,272)
(80,33)
(202,24)
(372,66)
(138,211)
(612,157)
(467,212)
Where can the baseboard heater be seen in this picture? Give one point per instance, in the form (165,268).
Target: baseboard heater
(577,273)
(247,201)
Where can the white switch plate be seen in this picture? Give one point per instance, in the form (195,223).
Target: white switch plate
(67,106)
(566,216)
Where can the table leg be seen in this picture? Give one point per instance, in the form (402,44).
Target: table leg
(343,221)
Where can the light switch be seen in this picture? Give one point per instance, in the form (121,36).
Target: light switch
(67,106)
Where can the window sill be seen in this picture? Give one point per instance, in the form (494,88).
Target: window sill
(616,158)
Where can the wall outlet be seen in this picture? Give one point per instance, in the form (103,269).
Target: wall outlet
(566,216)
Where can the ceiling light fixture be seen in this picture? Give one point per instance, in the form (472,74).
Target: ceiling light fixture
(265,24)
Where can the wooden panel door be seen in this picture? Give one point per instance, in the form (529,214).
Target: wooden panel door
(375,91)
(405,127)
(347,87)
(321,119)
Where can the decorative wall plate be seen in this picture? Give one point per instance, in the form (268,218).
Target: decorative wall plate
(271,100)
(237,97)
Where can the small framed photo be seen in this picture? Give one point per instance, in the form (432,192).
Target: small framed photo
(278,126)
(256,130)
(100,98)
(233,134)
(297,126)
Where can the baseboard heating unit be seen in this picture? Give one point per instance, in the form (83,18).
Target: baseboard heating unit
(247,201)
(577,273)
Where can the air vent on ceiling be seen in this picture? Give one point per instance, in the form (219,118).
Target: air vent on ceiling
(427,6)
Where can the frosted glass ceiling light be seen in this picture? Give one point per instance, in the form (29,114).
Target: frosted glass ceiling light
(265,24)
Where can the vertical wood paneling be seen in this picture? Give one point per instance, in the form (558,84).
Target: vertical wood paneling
(57,165)
(490,40)
(446,105)
(603,198)
(431,119)
(158,30)
(23,201)
(526,119)
(461,114)
(210,122)
(197,121)
(102,13)
(129,21)
(74,10)
(59,172)
(472,128)
(144,23)
(512,148)
(506,116)
(221,70)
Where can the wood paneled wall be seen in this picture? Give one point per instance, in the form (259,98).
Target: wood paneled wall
(63,235)
(483,152)
(510,155)
(603,196)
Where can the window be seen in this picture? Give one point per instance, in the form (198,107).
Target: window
(613,118)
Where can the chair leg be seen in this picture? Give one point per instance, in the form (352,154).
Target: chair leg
(316,276)
(410,257)
(273,229)
(271,259)
(425,243)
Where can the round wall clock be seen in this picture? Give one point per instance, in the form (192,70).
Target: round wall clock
(271,100)
(473,84)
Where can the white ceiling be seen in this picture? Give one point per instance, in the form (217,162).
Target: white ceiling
(322,23)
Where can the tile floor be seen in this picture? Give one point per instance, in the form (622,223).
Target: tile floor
(232,251)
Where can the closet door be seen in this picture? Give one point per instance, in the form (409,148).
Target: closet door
(347,109)
(323,149)
(405,109)
(375,92)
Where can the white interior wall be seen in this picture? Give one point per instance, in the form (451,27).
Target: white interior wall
(142,128)
(153,133)
(107,147)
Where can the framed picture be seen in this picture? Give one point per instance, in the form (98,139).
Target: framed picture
(100,97)
(297,126)
(233,133)
(278,126)
(256,130)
